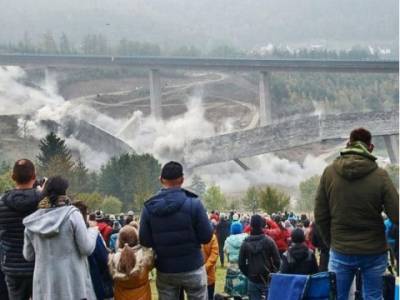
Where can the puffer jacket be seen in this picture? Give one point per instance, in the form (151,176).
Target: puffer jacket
(175,224)
(15,205)
(136,285)
(351,196)
(299,260)
(232,247)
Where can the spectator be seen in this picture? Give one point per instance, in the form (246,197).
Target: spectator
(299,259)
(50,234)
(210,252)
(15,205)
(175,224)
(130,267)
(222,231)
(235,281)
(278,233)
(98,263)
(258,257)
(114,236)
(121,219)
(322,248)
(352,193)
(103,226)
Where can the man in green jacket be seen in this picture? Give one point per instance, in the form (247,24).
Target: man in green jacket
(351,196)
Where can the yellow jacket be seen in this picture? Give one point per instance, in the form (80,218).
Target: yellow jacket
(210,252)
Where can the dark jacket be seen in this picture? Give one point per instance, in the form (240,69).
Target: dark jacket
(175,224)
(98,264)
(351,195)
(258,257)
(14,206)
(223,230)
(298,259)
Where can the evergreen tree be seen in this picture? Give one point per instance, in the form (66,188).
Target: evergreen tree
(308,189)
(80,178)
(54,157)
(214,199)
(273,200)
(198,185)
(49,44)
(251,200)
(65,47)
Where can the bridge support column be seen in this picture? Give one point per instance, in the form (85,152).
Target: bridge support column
(265,99)
(155,93)
(392,147)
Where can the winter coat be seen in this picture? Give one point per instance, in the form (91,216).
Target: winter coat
(232,247)
(175,224)
(299,260)
(113,242)
(60,242)
(258,258)
(14,206)
(351,195)
(105,231)
(223,230)
(98,266)
(136,285)
(279,235)
(210,252)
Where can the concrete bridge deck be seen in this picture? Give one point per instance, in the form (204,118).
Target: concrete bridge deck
(288,134)
(211,64)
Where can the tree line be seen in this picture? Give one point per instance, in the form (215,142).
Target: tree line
(98,44)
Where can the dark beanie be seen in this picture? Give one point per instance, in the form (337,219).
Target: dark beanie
(172,170)
(298,236)
(257,224)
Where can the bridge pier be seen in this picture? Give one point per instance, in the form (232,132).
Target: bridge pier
(155,93)
(392,147)
(265,99)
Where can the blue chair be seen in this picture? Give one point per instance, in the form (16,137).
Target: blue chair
(286,286)
(321,286)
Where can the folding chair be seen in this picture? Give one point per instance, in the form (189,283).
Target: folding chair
(286,286)
(321,286)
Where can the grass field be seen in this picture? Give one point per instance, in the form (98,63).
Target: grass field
(219,284)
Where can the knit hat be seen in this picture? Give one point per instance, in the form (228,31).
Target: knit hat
(112,218)
(235,217)
(236,228)
(130,213)
(99,215)
(257,224)
(298,236)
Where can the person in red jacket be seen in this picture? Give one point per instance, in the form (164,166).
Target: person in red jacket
(278,233)
(104,228)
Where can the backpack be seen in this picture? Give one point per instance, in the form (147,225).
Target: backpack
(259,265)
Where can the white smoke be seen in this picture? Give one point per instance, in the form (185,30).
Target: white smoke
(165,139)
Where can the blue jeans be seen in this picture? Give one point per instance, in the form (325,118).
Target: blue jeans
(256,291)
(372,268)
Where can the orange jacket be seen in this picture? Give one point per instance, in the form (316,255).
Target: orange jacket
(210,252)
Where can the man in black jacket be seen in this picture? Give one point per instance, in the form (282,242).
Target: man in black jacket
(223,230)
(258,257)
(15,205)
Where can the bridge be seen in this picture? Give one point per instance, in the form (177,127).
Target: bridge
(264,68)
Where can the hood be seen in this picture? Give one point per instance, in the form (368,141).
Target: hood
(256,243)
(355,162)
(22,200)
(47,222)
(299,252)
(166,202)
(353,166)
(236,240)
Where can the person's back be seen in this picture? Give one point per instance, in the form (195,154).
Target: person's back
(299,259)
(351,196)
(15,205)
(130,267)
(222,232)
(258,258)
(175,224)
(58,237)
